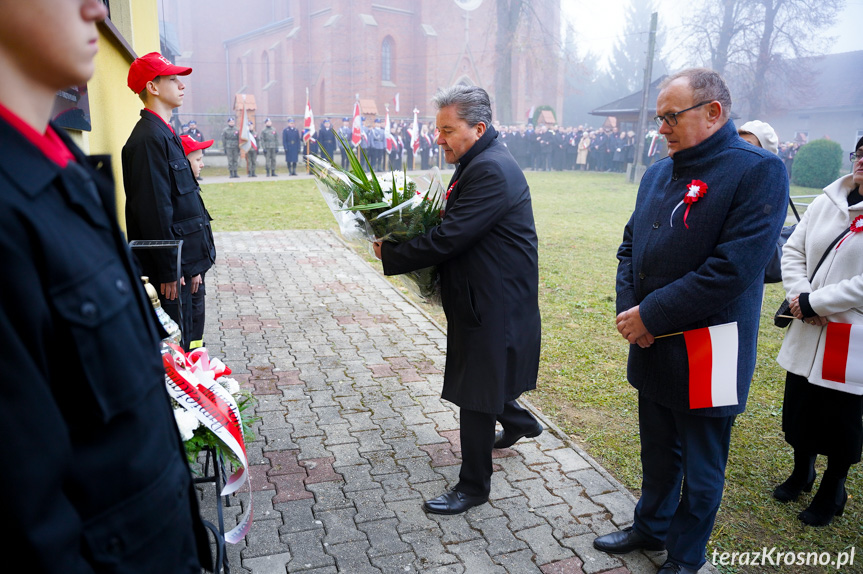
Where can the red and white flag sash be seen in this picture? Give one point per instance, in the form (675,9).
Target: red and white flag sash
(389,137)
(712,353)
(357,126)
(193,386)
(415,134)
(843,354)
(308,120)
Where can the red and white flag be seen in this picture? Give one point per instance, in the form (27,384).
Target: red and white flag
(309,121)
(357,126)
(415,133)
(712,353)
(843,354)
(530,114)
(396,102)
(391,141)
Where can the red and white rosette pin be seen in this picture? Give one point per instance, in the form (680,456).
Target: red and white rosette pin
(856,227)
(694,192)
(191,381)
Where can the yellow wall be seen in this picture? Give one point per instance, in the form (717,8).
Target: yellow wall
(114,109)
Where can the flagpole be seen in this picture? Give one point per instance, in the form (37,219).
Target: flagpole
(386,139)
(308,141)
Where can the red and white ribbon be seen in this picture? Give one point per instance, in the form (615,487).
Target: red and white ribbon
(191,381)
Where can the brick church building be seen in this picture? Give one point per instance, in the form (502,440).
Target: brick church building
(275,49)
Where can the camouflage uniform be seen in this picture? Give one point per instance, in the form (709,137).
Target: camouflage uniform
(270,144)
(252,156)
(231,145)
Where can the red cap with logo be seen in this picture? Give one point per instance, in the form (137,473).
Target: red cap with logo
(190,144)
(147,67)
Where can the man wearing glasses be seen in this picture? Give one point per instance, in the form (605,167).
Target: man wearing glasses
(693,254)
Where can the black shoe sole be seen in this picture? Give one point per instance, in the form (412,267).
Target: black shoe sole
(508,444)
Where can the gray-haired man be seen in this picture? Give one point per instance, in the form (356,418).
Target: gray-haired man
(486,251)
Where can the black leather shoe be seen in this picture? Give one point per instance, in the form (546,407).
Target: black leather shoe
(504,440)
(453,502)
(626,540)
(671,568)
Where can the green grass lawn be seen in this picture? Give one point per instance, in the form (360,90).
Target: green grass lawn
(582,379)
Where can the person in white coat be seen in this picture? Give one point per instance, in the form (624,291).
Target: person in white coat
(821,416)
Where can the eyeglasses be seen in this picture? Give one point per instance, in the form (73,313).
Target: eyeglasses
(855,156)
(671,119)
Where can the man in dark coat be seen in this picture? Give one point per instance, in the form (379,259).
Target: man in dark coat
(162,199)
(326,138)
(96,472)
(486,251)
(686,266)
(291,143)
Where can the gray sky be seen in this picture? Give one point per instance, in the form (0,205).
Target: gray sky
(596,31)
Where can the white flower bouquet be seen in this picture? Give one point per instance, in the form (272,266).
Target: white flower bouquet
(389,208)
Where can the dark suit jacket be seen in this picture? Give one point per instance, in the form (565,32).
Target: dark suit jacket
(709,274)
(96,474)
(486,251)
(163,201)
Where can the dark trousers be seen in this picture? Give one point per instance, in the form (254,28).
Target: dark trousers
(172,308)
(196,334)
(192,325)
(477,442)
(681,450)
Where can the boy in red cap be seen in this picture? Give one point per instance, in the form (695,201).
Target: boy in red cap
(194,151)
(161,198)
(96,470)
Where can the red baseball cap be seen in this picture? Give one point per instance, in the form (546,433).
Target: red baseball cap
(149,66)
(190,144)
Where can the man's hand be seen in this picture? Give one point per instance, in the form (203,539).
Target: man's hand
(377,246)
(196,282)
(169,290)
(629,325)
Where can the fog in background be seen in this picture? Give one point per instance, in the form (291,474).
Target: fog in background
(768,51)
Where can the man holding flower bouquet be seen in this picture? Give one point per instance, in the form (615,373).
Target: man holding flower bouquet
(486,252)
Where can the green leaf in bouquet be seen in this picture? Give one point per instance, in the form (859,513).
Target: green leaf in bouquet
(367,207)
(356,168)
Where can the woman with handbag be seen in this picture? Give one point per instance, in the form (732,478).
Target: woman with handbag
(822,272)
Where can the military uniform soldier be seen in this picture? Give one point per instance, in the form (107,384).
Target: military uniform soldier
(378,145)
(231,145)
(252,153)
(327,139)
(270,145)
(345,133)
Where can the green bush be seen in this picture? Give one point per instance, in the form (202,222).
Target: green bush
(817,164)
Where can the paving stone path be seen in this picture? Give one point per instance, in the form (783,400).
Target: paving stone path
(353,435)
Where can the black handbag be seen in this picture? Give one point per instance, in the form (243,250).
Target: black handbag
(783,317)
(773,271)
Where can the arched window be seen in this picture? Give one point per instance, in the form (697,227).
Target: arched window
(387,60)
(265,62)
(241,75)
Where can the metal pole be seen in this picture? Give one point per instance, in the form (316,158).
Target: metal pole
(645,93)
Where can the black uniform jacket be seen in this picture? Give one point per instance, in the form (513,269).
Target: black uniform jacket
(291,143)
(163,201)
(486,250)
(95,473)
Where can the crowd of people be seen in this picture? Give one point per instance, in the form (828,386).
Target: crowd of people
(544,148)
